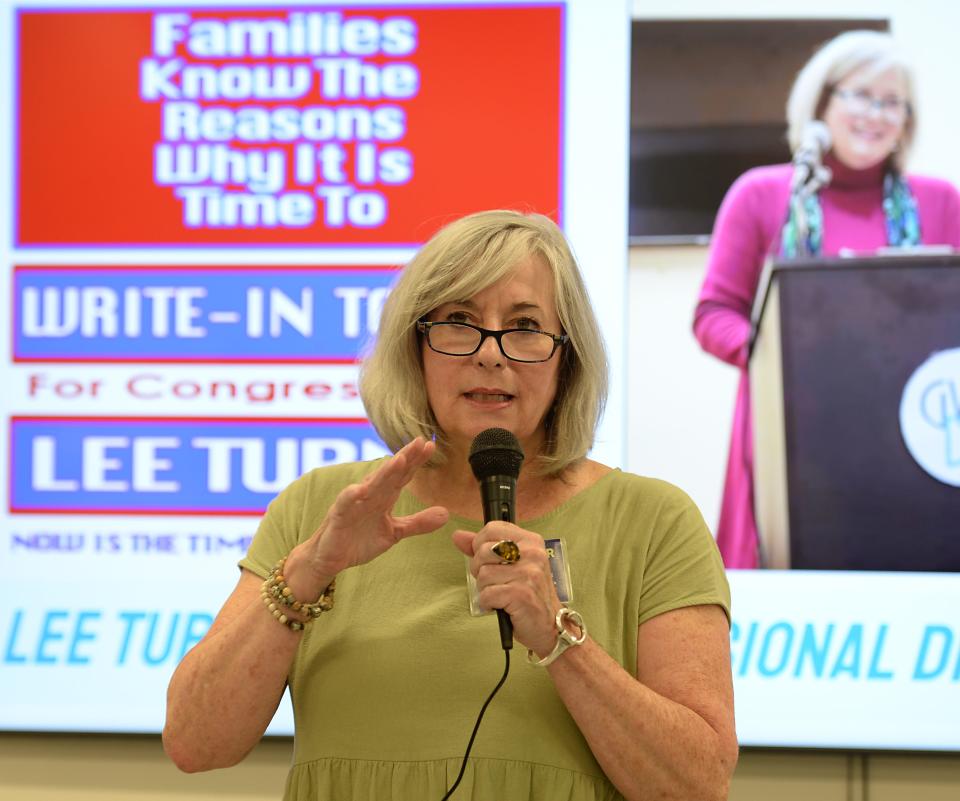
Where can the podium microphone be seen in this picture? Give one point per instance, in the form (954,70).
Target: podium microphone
(495,458)
(808,158)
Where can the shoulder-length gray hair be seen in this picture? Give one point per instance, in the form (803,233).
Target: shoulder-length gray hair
(462,259)
(833,62)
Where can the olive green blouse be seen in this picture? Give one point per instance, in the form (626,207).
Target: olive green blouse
(386,687)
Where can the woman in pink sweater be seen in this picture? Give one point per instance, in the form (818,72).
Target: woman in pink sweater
(860,88)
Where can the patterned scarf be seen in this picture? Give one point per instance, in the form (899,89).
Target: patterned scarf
(899,207)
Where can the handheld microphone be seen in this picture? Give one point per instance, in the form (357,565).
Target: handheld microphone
(807,160)
(495,457)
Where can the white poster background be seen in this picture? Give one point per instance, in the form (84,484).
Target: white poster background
(96,610)
(847,659)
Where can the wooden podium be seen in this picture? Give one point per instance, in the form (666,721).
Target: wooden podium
(836,341)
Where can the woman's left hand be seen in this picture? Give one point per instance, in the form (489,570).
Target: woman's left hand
(523,589)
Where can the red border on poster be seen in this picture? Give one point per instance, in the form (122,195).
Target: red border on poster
(477,101)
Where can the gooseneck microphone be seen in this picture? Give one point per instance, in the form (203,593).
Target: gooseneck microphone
(495,458)
(809,174)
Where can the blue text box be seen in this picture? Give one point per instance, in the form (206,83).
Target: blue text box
(172,466)
(242,314)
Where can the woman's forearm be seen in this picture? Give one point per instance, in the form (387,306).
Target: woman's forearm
(649,746)
(722,331)
(225,692)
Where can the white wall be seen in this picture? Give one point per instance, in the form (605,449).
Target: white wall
(680,401)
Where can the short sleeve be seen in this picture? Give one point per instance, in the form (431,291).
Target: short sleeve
(683,567)
(279,530)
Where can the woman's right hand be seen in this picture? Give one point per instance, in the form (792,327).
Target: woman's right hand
(360,526)
(226,690)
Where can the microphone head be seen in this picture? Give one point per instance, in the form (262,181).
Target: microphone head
(816,135)
(495,452)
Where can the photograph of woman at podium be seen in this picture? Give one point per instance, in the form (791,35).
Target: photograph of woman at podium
(851,119)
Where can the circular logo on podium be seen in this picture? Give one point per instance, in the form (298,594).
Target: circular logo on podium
(930,416)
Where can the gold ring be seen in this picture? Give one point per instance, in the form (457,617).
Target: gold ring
(508,551)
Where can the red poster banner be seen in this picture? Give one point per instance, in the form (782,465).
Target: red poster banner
(275,126)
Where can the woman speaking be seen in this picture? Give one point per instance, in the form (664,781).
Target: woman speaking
(356,591)
(854,100)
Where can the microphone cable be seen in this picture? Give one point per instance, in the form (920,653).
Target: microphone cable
(476,726)
(495,457)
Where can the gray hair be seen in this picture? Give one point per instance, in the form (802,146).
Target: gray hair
(833,62)
(462,259)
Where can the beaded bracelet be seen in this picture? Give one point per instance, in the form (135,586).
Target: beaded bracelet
(276,594)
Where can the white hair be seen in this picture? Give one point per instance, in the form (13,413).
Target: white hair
(834,61)
(466,257)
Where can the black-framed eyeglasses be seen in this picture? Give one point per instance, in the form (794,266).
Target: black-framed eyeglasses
(517,344)
(859,102)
